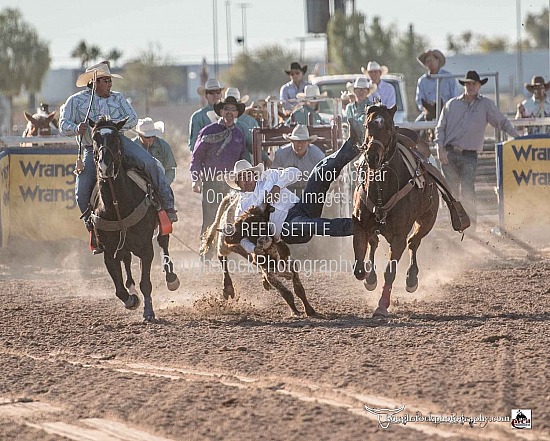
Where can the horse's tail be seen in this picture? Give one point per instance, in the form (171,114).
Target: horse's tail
(210,233)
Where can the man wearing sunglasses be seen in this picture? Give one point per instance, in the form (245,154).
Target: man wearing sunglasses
(296,85)
(117,108)
(212,91)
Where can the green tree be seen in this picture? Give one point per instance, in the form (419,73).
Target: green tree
(261,71)
(86,54)
(353,42)
(537,28)
(24,58)
(150,76)
(114,55)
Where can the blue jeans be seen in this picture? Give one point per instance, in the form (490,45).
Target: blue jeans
(135,156)
(461,176)
(303,220)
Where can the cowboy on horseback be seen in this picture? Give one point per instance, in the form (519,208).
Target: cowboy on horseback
(82,105)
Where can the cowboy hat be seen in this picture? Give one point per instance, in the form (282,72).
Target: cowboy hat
(364,83)
(211,84)
(229,100)
(373,65)
(433,52)
(300,133)
(147,128)
(241,166)
(537,81)
(471,77)
(311,93)
(296,66)
(233,91)
(102,69)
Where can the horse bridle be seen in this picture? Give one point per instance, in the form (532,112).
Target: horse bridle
(117,156)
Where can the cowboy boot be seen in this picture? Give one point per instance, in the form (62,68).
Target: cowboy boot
(95,245)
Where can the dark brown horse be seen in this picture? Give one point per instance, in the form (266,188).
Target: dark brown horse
(389,201)
(124,219)
(40,124)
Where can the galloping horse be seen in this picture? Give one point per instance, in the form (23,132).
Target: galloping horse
(124,218)
(40,124)
(389,201)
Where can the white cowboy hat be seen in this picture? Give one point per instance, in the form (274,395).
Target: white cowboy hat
(364,83)
(300,133)
(373,65)
(234,92)
(102,69)
(311,93)
(242,165)
(146,127)
(211,84)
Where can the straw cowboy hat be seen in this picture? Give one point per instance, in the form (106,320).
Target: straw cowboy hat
(364,83)
(233,91)
(229,100)
(373,65)
(435,53)
(102,69)
(211,84)
(147,128)
(472,77)
(311,93)
(241,166)
(300,133)
(537,81)
(296,66)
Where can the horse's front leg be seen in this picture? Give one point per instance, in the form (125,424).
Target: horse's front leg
(172,280)
(360,242)
(145,284)
(371,280)
(397,246)
(131,301)
(130,283)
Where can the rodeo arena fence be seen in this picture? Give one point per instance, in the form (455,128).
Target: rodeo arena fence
(37,180)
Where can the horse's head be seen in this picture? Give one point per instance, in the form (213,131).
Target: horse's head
(108,147)
(252,224)
(39,124)
(380,135)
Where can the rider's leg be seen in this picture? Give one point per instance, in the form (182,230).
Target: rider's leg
(85,180)
(137,156)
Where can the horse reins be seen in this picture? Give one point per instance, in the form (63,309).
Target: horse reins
(79,167)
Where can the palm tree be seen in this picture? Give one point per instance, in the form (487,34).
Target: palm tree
(114,54)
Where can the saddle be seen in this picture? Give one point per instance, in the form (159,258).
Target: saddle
(141,179)
(410,139)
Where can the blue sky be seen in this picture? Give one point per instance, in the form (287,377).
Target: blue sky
(184,28)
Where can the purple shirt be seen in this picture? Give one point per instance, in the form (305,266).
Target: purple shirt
(207,160)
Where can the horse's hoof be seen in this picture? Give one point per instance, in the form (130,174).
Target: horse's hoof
(173,285)
(228,291)
(132,302)
(411,288)
(380,312)
(311,313)
(360,274)
(370,287)
(149,318)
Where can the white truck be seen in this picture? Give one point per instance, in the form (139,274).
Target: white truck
(334,85)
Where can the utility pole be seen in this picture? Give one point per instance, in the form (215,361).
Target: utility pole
(215,27)
(519,48)
(228,25)
(243,7)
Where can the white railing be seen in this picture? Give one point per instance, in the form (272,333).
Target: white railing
(16,141)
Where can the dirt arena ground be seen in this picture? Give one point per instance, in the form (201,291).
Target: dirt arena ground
(472,341)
